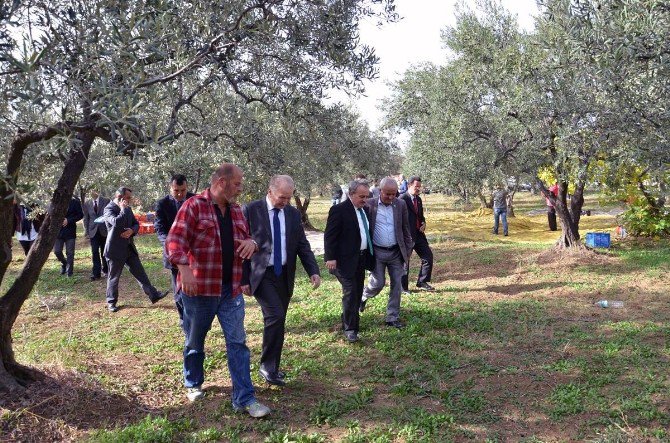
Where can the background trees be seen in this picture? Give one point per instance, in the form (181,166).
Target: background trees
(587,88)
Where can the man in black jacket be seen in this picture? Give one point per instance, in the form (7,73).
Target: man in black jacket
(348,252)
(166,211)
(270,273)
(120,249)
(67,236)
(417,225)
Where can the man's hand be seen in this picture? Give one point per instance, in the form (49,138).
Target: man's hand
(331,265)
(127,233)
(316,281)
(422,228)
(122,202)
(189,285)
(246,248)
(65,222)
(246,289)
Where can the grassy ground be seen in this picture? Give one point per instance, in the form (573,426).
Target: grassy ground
(509,348)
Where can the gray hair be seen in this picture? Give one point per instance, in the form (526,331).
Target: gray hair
(386,181)
(355,184)
(278,180)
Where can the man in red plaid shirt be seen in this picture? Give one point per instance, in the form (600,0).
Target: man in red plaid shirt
(208,242)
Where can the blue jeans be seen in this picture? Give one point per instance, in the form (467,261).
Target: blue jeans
(497,214)
(199,312)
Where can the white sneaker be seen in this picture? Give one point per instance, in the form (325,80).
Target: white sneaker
(194,393)
(255,409)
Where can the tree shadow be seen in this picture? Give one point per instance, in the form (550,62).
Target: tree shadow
(515,289)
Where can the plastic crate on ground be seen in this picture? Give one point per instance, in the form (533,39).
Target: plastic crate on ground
(598,239)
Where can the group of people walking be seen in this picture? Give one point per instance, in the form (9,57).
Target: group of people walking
(217,250)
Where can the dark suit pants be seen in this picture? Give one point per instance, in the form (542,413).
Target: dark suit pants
(99,263)
(426,255)
(26,245)
(69,253)
(272,295)
(352,293)
(551,218)
(135,267)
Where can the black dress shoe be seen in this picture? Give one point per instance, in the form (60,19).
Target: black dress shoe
(351,336)
(160,296)
(425,286)
(94,278)
(361,308)
(63,268)
(111,307)
(395,324)
(272,378)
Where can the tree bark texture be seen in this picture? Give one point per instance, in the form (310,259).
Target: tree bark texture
(302,206)
(12,375)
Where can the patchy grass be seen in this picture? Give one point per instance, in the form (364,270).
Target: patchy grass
(509,348)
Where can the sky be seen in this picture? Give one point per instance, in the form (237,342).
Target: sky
(411,41)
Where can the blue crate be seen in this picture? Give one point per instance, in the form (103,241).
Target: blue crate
(598,239)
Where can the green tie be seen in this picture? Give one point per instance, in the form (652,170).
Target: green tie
(367,230)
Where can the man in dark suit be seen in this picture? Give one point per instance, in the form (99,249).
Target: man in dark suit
(67,236)
(120,249)
(417,225)
(392,244)
(96,232)
(166,211)
(348,252)
(270,274)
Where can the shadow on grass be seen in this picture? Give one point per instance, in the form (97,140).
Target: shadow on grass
(515,289)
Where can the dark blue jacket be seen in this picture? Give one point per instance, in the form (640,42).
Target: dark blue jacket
(73,215)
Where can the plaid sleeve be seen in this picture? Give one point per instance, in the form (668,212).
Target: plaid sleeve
(178,241)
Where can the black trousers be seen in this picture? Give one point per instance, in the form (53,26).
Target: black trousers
(136,269)
(426,255)
(352,293)
(66,261)
(99,262)
(26,245)
(551,218)
(272,294)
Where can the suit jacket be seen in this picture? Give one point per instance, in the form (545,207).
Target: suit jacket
(342,239)
(73,215)
(413,215)
(403,235)
(90,226)
(117,221)
(297,245)
(166,212)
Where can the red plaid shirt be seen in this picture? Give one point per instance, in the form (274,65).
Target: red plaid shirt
(195,240)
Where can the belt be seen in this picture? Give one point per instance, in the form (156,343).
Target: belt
(387,248)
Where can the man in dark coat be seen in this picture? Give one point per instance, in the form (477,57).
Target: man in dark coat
(120,249)
(348,252)
(67,236)
(270,274)
(417,226)
(96,232)
(166,211)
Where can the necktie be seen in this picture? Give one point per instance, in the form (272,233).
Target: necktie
(416,210)
(95,206)
(276,242)
(367,230)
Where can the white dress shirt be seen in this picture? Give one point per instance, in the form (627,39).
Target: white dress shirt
(361,227)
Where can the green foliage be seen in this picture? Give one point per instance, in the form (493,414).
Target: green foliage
(327,411)
(294,437)
(643,219)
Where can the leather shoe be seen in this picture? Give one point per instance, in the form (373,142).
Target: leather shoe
(159,296)
(361,308)
(273,379)
(111,307)
(395,324)
(94,278)
(351,336)
(425,286)
(63,268)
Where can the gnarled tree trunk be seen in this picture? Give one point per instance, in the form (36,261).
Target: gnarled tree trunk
(14,376)
(302,206)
